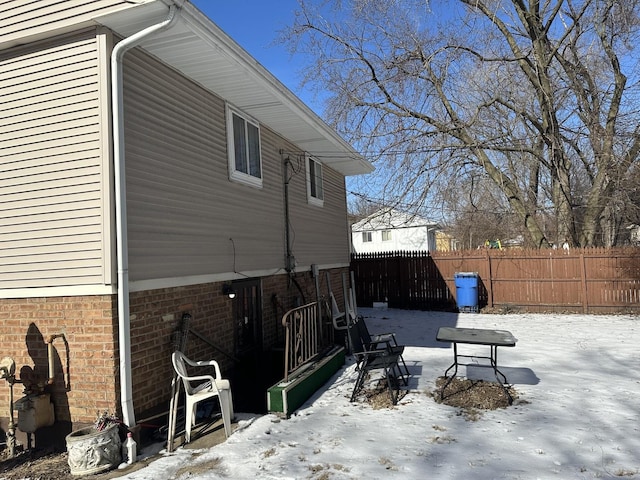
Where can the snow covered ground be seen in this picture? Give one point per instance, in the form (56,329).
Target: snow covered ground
(578,415)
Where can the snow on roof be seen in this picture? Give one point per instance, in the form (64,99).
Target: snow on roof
(390,218)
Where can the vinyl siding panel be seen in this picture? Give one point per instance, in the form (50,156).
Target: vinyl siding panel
(322,235)
(20,19)
(185,217)
(51,167)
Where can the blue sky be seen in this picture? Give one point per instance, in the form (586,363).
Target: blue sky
(255,24)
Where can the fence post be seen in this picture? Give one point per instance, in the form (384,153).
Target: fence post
(401,267)
(583,273)
(489,281)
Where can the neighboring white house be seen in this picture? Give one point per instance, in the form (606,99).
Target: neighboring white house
(390,230)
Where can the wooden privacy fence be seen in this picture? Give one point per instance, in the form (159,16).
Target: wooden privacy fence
(591,280)
(408,280)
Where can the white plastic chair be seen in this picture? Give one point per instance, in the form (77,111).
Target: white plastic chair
(337,317)
(201,387)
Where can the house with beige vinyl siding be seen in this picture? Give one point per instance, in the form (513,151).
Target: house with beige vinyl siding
(146,161)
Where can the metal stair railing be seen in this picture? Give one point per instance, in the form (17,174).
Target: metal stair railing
(302,337)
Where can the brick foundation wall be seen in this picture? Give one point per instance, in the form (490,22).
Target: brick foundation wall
(90,354)
(85,363)
(155,319)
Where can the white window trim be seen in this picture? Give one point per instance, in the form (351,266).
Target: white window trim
(234,174)
(319,202)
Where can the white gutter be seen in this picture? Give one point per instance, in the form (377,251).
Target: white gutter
(117,106)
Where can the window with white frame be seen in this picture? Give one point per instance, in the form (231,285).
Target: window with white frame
(315,187)
(243,138)
(386,235)
(366,237)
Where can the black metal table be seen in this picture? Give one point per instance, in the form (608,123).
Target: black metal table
(476,336)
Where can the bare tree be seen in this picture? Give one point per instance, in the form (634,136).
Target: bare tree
(479,214)
(534,96)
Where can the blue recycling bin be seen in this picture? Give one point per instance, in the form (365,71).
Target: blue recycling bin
(466,291)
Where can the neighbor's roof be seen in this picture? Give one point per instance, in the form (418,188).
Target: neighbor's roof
(389,218)
(199,49)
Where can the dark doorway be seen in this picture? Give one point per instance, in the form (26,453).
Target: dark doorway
(252,375)
(247,315)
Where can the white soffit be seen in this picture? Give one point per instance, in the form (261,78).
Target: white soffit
(199,49)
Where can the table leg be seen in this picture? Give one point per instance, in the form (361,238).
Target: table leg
(494,364)
(496,371)
(455,361)
(455,372)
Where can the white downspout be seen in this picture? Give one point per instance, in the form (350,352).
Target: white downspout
(117,106)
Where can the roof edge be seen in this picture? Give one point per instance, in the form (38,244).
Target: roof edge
(207,28)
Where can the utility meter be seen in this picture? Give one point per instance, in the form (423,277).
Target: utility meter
(7,367)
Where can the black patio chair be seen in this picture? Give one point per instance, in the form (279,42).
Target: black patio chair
(381,340)
(383,359)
